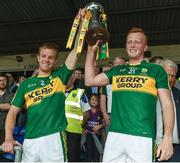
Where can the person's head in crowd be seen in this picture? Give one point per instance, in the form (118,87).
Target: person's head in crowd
(118,61)
(171,69)
(47,58)
(3,81)
(74,83)
(136,44)
(156,59)
(21,78)
(94,101)
(78,73)
(11,79)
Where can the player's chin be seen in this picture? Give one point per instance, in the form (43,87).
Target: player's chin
(46,69)
(133,55)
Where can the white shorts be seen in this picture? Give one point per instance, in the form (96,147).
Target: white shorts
(127,148)
(51,148)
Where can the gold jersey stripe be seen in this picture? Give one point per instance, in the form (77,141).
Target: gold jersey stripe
(36,96)
(134,83)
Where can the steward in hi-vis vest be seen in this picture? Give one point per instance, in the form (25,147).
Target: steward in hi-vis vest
(73,111)
(76,104)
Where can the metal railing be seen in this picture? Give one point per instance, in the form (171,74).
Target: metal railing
(18,153)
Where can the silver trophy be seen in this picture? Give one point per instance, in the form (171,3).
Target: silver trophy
(96,29)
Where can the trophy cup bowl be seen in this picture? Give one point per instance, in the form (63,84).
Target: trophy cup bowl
(96,29)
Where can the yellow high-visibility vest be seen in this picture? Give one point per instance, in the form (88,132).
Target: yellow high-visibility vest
(73,111)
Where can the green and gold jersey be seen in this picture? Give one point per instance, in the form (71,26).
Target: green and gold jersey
(134,95)
(44,98)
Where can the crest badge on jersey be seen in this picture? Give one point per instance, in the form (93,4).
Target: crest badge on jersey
(144,70)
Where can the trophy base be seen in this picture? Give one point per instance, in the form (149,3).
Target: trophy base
(96,32)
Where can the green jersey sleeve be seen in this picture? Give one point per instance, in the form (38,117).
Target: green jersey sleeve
(18,99)
(110,74)
(161,78)
(64,74)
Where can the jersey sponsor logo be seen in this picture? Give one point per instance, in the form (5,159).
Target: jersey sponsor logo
(134,83)
(38,94)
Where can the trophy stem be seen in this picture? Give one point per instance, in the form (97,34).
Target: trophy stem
(95,16)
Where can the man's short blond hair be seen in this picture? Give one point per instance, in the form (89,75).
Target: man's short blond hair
(49,45)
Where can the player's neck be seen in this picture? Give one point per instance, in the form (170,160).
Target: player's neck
(135,61)
(43,73)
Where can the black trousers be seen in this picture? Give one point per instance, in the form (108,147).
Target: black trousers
(176,155)
(73,147)
(2,136)
(92,154)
